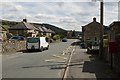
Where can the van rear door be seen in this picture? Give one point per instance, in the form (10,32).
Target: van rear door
(33,43)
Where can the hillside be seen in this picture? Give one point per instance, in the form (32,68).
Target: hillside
(54,28)
(57,30)
(9,23)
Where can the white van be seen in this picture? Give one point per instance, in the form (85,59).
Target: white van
(37,43)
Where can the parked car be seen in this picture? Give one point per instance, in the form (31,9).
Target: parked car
(64,40)
(82,44)
(37,43)
(92,47)
(17,38)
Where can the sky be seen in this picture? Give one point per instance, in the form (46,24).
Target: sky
(69,15)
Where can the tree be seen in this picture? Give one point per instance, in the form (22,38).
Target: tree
(73,33)
(56,37)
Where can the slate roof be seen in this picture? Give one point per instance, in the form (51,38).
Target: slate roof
(92,23)
(51,31)
(23,26)
(95,23)
(45,29)
(106,29)
(114,23)
(39,27)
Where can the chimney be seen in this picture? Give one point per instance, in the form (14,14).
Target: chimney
(94,19)
(24,20)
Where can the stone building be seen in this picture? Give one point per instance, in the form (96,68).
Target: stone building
(114,30)
(91,32)
(3,32)
(24,29)
(47,32)
(114,36)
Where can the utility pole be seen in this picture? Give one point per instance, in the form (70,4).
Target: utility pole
(101,30)
(119,11)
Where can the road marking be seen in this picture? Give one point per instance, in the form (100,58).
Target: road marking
(59,56)
(50,60)
(67,66)
(66,50)
(54,60)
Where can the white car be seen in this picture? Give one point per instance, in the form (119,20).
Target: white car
(37,43)
(94,49)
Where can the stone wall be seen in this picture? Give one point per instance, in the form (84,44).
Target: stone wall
(12,46)
(117,55)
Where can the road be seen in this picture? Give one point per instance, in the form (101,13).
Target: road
(46,64)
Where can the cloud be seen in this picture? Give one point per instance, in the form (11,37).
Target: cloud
(66,22)
(110,12)
(58,0)
(45,16)
(66,15)
(9,6)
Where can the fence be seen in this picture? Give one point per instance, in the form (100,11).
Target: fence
(12,46)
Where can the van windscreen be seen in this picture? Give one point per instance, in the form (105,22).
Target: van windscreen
(33,40)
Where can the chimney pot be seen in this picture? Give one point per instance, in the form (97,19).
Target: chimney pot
(24,20)
(94,19)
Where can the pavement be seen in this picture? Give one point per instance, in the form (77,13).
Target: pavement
(87,66)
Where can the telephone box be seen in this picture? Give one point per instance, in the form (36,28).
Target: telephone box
(112,47)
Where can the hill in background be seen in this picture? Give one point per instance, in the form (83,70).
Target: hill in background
(7,24)
(56,29)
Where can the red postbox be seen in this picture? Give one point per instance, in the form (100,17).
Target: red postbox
(112,47)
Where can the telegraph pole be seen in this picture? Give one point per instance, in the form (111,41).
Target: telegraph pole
(101,28)
(101,31)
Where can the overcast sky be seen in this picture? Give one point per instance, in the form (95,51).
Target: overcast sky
(69,15)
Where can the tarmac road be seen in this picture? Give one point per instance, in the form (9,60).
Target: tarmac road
(46,64)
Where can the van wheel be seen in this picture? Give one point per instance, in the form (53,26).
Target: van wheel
(27,50)
(41,49)
(47,48)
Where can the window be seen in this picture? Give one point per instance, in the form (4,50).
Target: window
(33,40)
(95,39)
(47,39)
